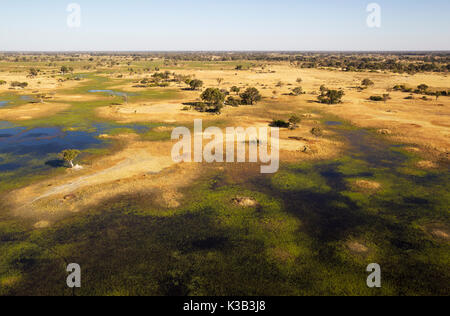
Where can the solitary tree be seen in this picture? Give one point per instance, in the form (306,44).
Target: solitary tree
(317,131)
(64,70)
(251,96)
(422,88)
(367,82)
(196,84)
(69,155)
(297,91)
(213,96)
(331,96)
(33,72)
(294,121)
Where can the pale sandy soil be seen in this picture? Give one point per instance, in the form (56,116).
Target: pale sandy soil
(31,111)
(137,158)
(157,112)
(139,169)
(440,234)
(79,98)
(41,83)
(357,247)
(366,186)
(439,231)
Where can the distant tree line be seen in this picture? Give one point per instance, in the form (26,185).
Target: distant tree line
(422,89)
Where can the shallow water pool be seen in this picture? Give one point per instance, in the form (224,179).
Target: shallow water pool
(27,152)
(111,92)
(333,123)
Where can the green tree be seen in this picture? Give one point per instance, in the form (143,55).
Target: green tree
(232,101)
(422,88)
(367,82)
(317,131)
(64,70)
(331,96)
(376,98)
(294,120)
(251,96)
(196,84)
(33,72)
(69,155)
(235,89)
(213,96)
(297,91)
(279,123)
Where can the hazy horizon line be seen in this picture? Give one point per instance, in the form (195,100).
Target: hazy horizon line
(225,51)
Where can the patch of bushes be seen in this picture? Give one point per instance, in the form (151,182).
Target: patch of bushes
(377,98)
(402,88)
(328,96)
(292,123)
(422,89)
(232,101)
(317,131)
(15,84)
(367,82)
(294,120)
(235,90)
(280,124)
(297,91)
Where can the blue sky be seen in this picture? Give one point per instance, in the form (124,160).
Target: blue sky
(224,25)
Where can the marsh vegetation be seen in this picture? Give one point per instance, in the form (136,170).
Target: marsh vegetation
(359,182)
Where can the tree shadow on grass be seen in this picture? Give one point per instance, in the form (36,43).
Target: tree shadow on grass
(56,163)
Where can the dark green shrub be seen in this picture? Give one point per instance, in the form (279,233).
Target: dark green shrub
(376,98)
(280,124)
